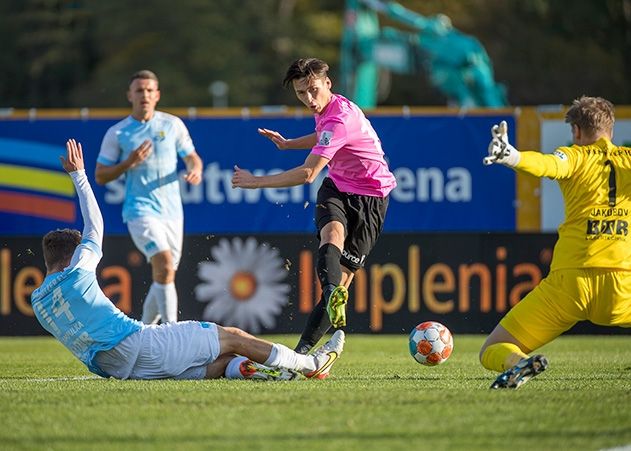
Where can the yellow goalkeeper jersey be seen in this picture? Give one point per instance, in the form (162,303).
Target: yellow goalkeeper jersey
(596,184)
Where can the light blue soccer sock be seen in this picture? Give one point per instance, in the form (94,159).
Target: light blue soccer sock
(233,368)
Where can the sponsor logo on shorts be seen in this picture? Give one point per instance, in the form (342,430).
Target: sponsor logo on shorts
(353,258)
(150,246)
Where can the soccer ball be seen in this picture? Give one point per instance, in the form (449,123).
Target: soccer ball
(431,343)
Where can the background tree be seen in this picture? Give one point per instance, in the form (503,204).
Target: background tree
(74,53)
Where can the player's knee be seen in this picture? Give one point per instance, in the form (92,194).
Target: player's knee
(162,267)
(235,331)
(488,342)
(481,354)
(232,339)
(333,232)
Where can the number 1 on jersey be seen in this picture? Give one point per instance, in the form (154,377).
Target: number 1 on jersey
(612,184)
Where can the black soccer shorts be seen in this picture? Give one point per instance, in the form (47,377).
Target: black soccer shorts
(362,217)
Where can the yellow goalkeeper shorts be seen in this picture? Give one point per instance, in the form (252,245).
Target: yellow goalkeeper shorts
(566,297)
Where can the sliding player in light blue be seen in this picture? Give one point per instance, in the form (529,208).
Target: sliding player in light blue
(71,306)
(145,147)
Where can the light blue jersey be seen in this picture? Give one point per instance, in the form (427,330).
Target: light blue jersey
(71,305)
(152,187)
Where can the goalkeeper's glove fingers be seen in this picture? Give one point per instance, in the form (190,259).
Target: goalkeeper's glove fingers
(502,152)
(500,131)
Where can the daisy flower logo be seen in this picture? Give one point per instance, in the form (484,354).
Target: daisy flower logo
(243,286)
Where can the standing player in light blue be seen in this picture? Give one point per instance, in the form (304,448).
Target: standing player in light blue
(72,307)
(144,146)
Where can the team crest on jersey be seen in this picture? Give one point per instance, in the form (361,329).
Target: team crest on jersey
(560,155)
(325,138)
(160,136)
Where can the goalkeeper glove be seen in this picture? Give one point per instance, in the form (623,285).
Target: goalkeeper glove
(500,150)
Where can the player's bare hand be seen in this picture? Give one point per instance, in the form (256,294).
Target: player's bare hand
(194,176)
(74,157)
(275,137)
(242,178)
(140,154)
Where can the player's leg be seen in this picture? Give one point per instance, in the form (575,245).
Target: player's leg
(504,353)
(611,303)
(150,312)
(139,233)
(363,218)
(501,350)
(163,275)
(240,367)
(174,233)
(318,323)
(236,341)
(152,237)
(218,368)
(330,218)
(330,271)
(364,222)
(545,313)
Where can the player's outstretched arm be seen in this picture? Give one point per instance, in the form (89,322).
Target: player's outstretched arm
(305,173)
(304,142)
(500,150)
(74,165)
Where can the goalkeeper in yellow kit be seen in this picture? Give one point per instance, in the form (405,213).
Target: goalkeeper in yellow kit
(590,273)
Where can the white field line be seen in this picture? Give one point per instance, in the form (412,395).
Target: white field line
(56,379)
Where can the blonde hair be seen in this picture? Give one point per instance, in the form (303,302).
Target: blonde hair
(593,115)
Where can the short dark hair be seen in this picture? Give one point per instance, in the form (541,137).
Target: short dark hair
(593,115)
(306,68)
(144,74)
(59,245)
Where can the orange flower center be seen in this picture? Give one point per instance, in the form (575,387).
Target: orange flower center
(242,285)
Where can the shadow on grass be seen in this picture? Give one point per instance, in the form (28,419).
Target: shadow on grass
(307,439)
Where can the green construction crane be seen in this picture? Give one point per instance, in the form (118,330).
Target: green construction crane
(455,63)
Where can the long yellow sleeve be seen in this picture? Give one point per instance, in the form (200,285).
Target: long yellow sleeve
(543,165)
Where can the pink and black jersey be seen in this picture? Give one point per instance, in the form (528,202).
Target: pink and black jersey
(347,139)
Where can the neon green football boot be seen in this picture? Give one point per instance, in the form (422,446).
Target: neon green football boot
(336,306)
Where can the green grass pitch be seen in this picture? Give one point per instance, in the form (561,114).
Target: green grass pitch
(377,397)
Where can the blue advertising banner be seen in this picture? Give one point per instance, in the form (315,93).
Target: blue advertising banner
(437,160)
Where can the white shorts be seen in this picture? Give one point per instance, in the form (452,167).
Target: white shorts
(152,235)
(179,350)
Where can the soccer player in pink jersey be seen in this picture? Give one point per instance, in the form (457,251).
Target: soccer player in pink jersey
(352,200)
